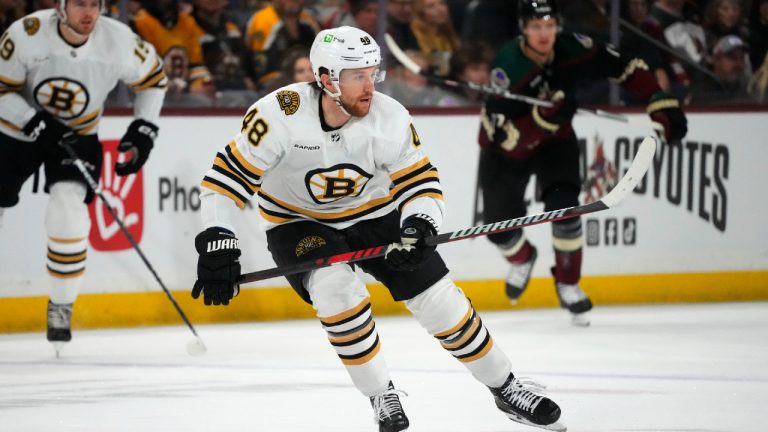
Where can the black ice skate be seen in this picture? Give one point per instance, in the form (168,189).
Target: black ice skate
(59,320)
(388,412)
(518,277)
(576,301)
(523,402)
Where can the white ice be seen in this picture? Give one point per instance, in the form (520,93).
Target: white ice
(683,368)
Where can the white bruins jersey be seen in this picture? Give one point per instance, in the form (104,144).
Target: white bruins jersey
(363,170)
(39,69)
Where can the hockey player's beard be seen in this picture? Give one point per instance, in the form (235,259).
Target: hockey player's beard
(358,108)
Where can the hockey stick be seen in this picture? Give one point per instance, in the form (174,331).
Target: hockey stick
(196,346)
(634,174)
(503,93)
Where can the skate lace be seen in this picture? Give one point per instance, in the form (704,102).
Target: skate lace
(518,273)
(59,315)
(524,392)
(570,293)
(387,404)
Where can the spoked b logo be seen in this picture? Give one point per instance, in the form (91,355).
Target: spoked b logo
(126,197)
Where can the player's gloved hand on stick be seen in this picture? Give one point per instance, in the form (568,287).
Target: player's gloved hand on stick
(560,113)
(412,250)
(665,109)
(45,129)
(218,266)
(138,140)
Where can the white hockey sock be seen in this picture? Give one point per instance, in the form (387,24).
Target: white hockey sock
(67,223)
(447,314)
(344,309)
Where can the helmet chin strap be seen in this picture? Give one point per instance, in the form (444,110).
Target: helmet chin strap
(336,99)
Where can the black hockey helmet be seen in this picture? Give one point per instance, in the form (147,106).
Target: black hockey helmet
(537,9)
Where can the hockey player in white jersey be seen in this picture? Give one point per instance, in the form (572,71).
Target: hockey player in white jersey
(57,67)
(339,167)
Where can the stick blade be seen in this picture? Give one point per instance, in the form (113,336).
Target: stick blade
(635,173)
(400,55)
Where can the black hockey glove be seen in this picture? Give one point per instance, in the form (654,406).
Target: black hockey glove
(45,129)
(560,113)
(138,140)
(665,109)
(412,250)
(218,266)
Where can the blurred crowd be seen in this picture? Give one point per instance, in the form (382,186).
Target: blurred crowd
(230,52)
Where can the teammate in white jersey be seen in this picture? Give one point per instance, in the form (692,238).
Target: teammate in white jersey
(339,167)
(57,67)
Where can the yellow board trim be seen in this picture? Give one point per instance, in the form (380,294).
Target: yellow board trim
(18,314)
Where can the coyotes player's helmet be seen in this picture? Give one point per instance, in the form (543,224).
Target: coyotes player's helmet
(537,9)
(342,48)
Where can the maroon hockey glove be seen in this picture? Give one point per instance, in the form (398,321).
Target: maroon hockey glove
(45,129)
(412,250)
(665,109)
(218,266)
(560,113)
(138,140)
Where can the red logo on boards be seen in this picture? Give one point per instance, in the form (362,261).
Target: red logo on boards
(126,197)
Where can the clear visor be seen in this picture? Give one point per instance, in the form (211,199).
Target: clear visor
(361,77)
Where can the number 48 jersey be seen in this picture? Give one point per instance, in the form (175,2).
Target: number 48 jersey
(301,169)
(40,70)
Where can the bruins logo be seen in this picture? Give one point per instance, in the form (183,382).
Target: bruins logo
(308,244)
(289,101)
(31,25)
(327,185)
(63,97)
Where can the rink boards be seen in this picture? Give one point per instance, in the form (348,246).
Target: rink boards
(690,232)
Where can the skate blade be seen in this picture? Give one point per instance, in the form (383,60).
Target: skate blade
(58,346)
(556,426)
(580,320)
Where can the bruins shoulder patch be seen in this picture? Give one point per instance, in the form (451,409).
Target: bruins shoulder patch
(31,25)
(289,101)
(308,244)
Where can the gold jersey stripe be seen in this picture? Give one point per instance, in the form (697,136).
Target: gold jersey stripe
(151,83)
(9,125)
(409,169)
(364,359)
(662,104)
(480,354)
(550,127)
(151,71)
(88,129)
(240,203)
(219,163)
(333,319)
(11,82)
(273,219)
(244,162)
(434,195)
(457,327)
(85,119)
(351,212)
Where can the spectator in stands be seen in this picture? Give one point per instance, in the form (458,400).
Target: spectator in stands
(636,13)
(588,17)
(435,33)
(275,30)
(410,89)
(492,22)
(36,5)
(295,68)
(470,63)
(363,14)
(399,18)
(730,62)
(222,45)
(758,32)
(680,31)
(174,34)
(723,17)
(10,11)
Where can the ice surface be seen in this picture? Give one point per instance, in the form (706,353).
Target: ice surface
(685,368)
